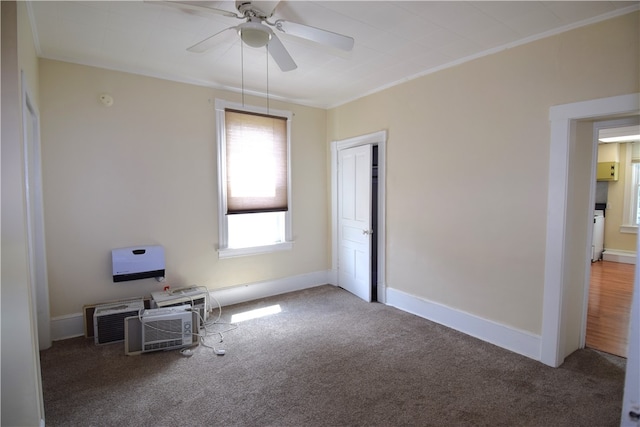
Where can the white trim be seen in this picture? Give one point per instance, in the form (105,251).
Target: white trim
(333,277)
(617,255)
(268,288)
(594,108)
(554,253)
(627,208)
(589,220)
(223,250)
(512,339)
(32,158)
(255,250)
(629,198)
(376,138)
(72,325)
(67,326)
(562,119)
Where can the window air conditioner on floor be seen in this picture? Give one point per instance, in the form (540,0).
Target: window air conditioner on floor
(194,296)
(156,329)
(108,320)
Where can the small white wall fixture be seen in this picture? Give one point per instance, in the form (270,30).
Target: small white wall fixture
(562,119)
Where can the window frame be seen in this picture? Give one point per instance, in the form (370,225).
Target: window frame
(631,182)
(223,227)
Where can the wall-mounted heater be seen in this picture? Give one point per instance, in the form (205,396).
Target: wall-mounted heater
(108,320)
(137,262)
(161,329)
(194,296)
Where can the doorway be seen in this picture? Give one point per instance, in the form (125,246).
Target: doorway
(361,266)
(561,312)
(609,282)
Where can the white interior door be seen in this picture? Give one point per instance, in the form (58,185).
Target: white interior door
(631,400)
(354,220)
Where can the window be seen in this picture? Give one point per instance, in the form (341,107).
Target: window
(634,186)
(254,191)
(631,214)
(636,192)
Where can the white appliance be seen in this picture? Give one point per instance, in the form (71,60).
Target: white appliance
(108,320)
(160,329)
(137,262)
(597,244)
(195,296)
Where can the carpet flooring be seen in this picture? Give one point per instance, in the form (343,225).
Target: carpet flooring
(328,359)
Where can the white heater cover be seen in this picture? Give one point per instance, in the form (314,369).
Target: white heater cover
(137,262)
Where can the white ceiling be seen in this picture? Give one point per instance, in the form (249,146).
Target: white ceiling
(394,41)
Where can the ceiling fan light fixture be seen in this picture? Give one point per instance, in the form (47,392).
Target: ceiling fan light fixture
(254,34)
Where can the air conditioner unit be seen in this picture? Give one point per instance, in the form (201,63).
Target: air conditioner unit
(108,320)
(194,296)
(161,329)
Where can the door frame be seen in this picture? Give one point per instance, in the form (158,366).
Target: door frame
(562,122)
(35,217)
(376,138)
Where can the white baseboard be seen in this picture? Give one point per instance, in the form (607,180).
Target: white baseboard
(518,341)
(254,291)
(524,343)
(332,277)
(72,325)
(67,326)
(616,255)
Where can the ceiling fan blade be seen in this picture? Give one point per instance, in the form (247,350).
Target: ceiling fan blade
(315,34)
(279,54)
(209,42)
(195,6)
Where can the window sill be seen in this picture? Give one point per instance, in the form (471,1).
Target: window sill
(255,250)
(630,229)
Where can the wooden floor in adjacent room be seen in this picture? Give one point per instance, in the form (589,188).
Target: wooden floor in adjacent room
(610,294)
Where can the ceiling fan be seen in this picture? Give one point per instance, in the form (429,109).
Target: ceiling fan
(257,30)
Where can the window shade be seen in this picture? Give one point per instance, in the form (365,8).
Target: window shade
(256,155)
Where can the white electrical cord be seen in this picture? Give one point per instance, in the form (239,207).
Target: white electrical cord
(210,323)
(205,324)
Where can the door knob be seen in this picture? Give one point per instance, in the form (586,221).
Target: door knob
(367,231)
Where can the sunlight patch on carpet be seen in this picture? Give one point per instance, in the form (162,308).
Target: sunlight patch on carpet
(257,313)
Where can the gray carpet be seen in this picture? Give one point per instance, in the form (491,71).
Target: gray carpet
(328,359)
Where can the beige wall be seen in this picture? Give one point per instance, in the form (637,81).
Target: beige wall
(144,172)
(467,166)
(21,390)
